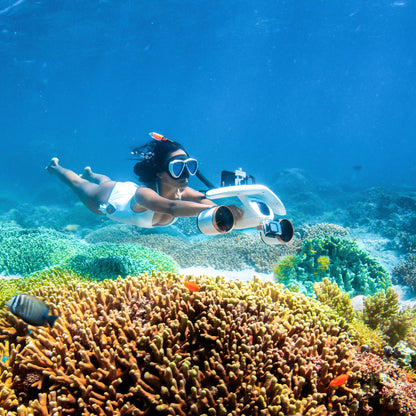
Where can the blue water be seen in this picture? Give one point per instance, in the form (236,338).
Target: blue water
(325,86)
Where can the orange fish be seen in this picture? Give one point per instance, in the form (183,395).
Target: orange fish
(339,381)
(192,286)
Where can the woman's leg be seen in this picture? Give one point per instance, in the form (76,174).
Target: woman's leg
(92,195)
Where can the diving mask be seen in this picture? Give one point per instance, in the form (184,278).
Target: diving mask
(182,168)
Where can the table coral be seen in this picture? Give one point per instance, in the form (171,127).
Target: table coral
(322,230)
(341,261)
(108,261)
(24,251)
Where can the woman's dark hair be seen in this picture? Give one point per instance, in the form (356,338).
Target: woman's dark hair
(152,158)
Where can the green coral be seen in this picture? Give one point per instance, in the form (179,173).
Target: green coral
(54,276)
(284,268)
(108,261)
(341,261)
(24,251)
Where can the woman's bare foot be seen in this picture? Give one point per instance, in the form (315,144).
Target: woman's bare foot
(88,174)
(53,164)
(93,177)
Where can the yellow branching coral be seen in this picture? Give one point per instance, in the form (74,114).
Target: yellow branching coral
(332,295)
(148,346)
(323,263)
(8,398)
(382,312)
(53,276)
(284,267)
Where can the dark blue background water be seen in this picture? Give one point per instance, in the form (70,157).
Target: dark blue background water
(325,86)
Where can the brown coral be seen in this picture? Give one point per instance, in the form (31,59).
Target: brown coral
(322,230)
(233,251)
(147,346)
(406,272)
(388,384)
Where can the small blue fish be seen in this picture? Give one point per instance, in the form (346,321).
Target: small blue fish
(31,309)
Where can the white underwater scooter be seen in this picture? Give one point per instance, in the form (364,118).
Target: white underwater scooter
(260,207)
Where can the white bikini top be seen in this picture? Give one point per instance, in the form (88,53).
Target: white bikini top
(120,200)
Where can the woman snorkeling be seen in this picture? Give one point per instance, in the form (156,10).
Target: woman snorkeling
(163,167)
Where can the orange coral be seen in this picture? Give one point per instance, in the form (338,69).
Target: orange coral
(146,346)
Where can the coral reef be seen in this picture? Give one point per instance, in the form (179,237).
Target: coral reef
(24,251)
(310,198)
(405,272)
(54,276)
(188,226)
(331,294)
(55,217)
(108,261)
(147,346)
(340,260)
(390,212)
(381,323)
(393,386)
(322,230)
(382,312)
(234,251)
